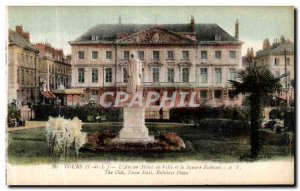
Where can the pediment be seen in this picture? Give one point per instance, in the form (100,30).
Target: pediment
(155,35)
(155,63)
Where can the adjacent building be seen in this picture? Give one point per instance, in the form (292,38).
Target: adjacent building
(279,58)
(22,64)
(175,57)
(54,67)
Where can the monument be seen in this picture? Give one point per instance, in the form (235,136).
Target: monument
(134,129)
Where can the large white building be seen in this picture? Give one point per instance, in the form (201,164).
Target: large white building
(279,58)
(176,57)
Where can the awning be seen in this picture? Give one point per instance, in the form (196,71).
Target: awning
(48,95)
(73,91)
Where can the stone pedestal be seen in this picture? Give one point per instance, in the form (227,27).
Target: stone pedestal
(134,129)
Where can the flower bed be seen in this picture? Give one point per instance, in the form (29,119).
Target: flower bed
(102,142)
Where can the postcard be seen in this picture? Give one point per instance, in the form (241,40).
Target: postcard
(133,95)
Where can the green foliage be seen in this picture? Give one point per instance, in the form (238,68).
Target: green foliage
(224,126)
(258,83)
(12,114)
(82,112)
(256,80)
(289,120)
(276,113)
(192,115)
(285,114)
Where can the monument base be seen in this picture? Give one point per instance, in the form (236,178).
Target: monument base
(134,129)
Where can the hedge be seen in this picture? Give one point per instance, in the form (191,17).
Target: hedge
(224,126)
(192,115)
(86,113)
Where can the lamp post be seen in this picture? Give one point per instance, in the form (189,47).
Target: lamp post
(286,81)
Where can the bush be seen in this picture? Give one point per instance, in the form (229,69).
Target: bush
(192,115)
(224,126)
(276,113)
(286,114)
(64,135)
(12,114)
(289,120)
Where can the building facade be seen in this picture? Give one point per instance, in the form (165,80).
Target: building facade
(279,58)
(175,57)
(54,68)
(22,63)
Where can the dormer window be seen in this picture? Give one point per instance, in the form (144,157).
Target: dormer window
(94,38)
(218,37)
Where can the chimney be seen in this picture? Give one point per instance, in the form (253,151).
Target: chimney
(237,29)
(19,30)
(192,24)
(26,35)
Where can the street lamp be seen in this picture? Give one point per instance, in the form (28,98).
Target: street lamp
(286,81)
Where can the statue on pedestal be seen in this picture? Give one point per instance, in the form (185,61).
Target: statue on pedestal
(134,71)
(134,129)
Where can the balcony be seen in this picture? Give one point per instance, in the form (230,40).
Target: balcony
(161,84)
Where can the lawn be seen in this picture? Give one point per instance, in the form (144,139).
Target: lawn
(30,146)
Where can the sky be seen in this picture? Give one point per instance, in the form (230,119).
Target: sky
(58,25)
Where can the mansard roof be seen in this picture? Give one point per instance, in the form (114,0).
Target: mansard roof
(108,33)
(15,38)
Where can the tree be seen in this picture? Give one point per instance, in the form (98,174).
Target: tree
(257,83)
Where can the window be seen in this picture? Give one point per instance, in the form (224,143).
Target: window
(23,58)
(204,55)
(218,55)
(81,75)
(203,75)
(94,74)
(126,55)
(185,74)
(80,55)
(218,37)
(218,75)
(22,76)
(232,55)
(203,94)
(143,75)
(232,74)
(141,55)
(155,74)
(170,55)
(155,55)
(27,75)
(31,79)
(170,74)
(185,55)
(125,75)
(94,38)
(108,75)
(276,61)
(288,61)
(231,94)
(94,55)
(217,94)
(108,55)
